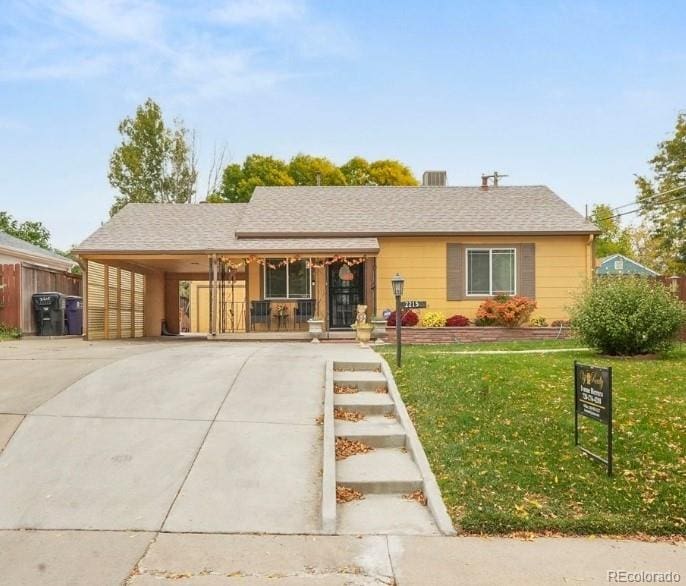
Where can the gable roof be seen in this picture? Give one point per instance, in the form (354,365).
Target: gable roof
(188,228)
(12,245)
(378,211)
(333,219)
(631,267)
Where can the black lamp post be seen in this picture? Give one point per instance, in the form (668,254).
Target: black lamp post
(398,283)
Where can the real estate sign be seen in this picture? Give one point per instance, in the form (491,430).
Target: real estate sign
(593,392)
(593,399)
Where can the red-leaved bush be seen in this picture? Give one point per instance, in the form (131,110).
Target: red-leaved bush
(505,311)
(457,321)
(409,318)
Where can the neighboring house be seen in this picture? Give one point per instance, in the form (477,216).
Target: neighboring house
(294,252)
(26,269)
(618,264)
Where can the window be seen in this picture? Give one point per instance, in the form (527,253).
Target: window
(287,279)
(491,271)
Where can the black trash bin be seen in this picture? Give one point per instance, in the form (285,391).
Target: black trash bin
(49,311)
(74,313)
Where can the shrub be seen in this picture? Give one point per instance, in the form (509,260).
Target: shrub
(409,318)
(433,319)
(539,322)
(457,321)
(560,323)
(627,316)
(505,311)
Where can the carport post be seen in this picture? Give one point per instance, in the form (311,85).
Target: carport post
(213,295)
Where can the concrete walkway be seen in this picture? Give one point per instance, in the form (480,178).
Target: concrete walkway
(129,462)
(180,437)
(36,558)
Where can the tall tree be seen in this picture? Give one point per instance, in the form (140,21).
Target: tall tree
(356,171)
(614,239)
(153,163)
(239,181)
(389,172)
(308,170)
(663,197)
(33,232)
(647,250)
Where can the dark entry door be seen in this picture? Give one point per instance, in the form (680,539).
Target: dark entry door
(346,292)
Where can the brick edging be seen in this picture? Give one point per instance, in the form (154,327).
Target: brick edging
(420,335)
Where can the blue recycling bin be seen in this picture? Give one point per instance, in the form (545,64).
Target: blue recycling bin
(74,315)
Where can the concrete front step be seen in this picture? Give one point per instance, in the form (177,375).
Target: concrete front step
(376,431)
(383,470)
(342,365)
(385,514)
(363,380)
(365,402)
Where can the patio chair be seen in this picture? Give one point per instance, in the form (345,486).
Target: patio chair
(304,310)
(260,313)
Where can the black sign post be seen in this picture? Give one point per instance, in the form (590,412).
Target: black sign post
(593,399)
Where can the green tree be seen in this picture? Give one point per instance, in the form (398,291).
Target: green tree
(307,170)
(647,249)
(356,171)
(389,172)
(239,181)
(153,163)
(666,214)
(33,232)
(614,239)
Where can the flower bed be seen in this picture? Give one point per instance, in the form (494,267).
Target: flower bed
(444,335)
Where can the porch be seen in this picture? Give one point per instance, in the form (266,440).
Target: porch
(274,297)
(255,297)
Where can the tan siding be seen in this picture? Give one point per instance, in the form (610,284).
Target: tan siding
(561,269)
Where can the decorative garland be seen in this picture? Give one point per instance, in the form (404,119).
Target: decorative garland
(351,262)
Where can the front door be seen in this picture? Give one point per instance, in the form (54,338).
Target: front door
(346,292)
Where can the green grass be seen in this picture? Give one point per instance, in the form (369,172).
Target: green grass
(7,333)
(498,431)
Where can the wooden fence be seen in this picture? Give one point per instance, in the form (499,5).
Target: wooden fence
(20,282)
(677,285)
(10,290)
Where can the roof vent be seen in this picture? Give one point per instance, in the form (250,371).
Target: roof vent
(495,177)
(435,179)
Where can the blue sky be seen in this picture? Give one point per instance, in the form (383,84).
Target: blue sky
(574,95)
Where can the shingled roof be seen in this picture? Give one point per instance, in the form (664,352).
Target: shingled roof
(378,211)
(333,219)
(9,244)
(167,228)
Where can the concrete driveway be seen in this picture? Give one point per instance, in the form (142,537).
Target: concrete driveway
(172,436)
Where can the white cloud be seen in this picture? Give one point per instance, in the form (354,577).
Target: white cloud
(237,12)
(148,46)
(115,19)
(73,68)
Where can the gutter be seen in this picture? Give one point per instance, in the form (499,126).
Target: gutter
(39,259)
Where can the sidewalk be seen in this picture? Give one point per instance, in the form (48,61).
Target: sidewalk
(142,559)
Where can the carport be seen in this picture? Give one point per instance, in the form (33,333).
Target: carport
(135,263)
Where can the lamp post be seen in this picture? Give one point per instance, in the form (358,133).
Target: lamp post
(398,283)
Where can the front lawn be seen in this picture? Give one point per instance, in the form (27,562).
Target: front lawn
(498,431)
